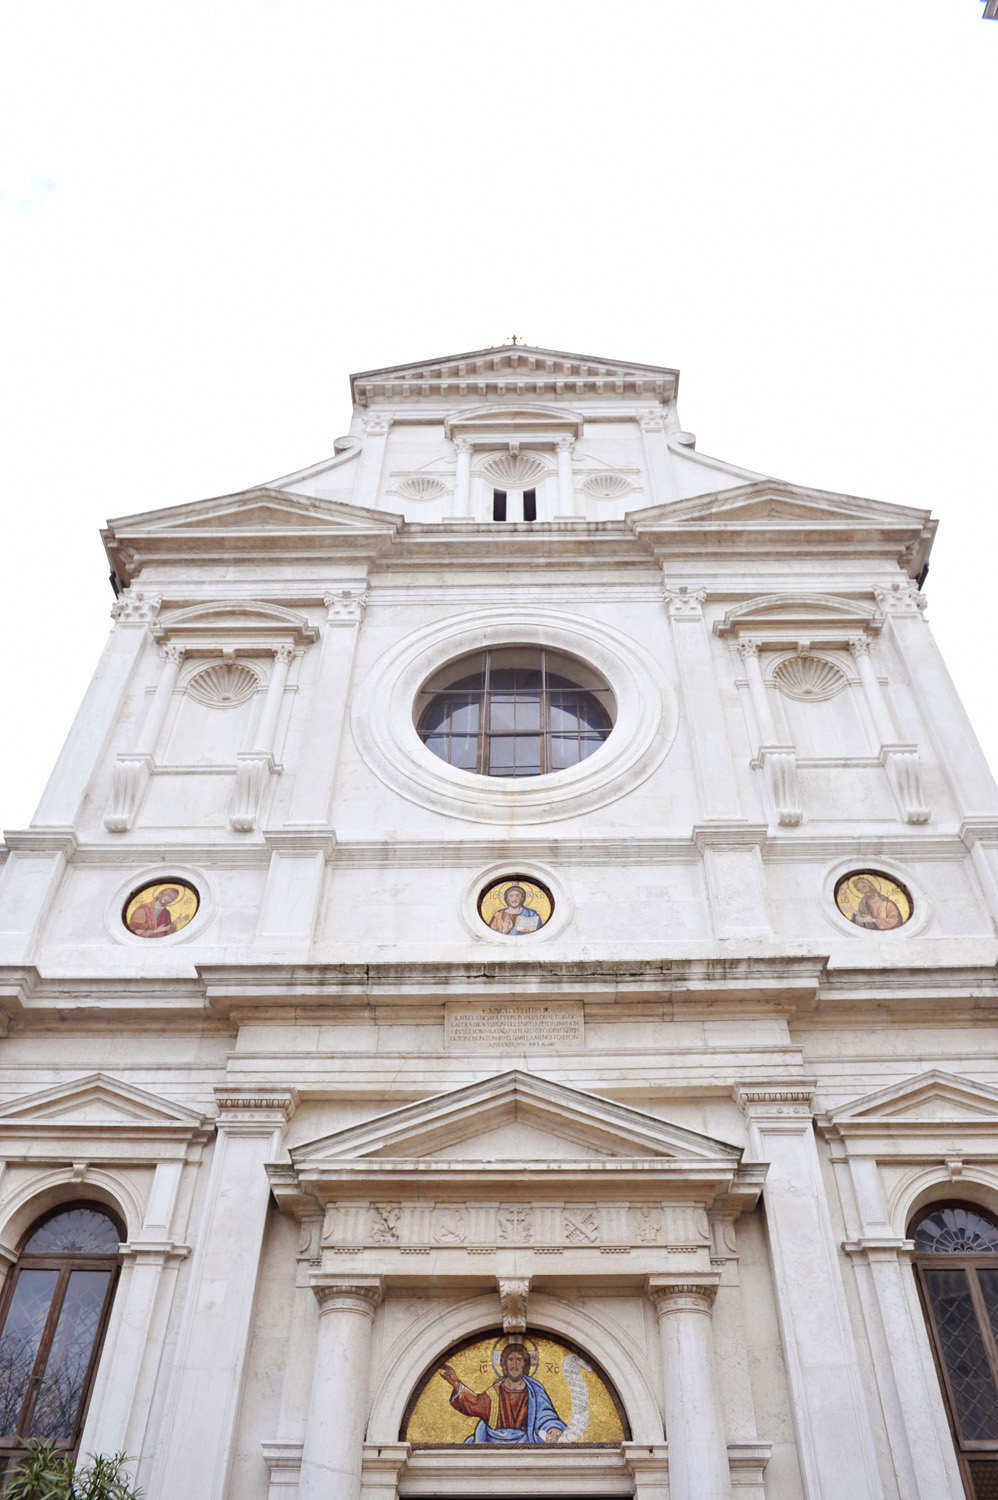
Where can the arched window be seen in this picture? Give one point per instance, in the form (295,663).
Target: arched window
(55,1311)
(956,1262)
(514,711)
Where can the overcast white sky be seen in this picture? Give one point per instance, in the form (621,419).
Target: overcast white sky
(211,212)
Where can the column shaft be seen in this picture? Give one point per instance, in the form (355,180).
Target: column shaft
(333,1453)
(462,478)
(694,1430)
(566,479)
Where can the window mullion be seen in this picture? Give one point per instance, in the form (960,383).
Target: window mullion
(987,1332)
(44,1350)
(485,728)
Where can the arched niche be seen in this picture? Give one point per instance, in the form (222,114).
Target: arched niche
(557,1392)
(419,1350)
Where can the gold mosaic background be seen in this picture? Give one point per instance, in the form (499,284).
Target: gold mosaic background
(181,911)
(434,1420)
(493,899)
(848,896)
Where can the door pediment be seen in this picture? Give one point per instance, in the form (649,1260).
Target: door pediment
(516,1137)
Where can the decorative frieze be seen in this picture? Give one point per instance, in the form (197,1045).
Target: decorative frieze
(547,1228)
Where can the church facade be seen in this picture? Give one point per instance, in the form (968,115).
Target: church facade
(500,988)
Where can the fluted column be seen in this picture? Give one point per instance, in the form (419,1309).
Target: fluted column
(333,1453)
(901,762)
(779,761)
(462,478)
(694,1427)
(254,766)
(566,478)
(133,767)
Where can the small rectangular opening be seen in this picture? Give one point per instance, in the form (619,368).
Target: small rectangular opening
(498,505)
(530,505)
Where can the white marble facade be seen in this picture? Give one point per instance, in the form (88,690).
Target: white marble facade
(683,1126)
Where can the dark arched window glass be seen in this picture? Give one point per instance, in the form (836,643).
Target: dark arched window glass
(514,711)
(956,1262)
(55,1310)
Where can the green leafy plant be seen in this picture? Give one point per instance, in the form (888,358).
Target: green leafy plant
(45,1474)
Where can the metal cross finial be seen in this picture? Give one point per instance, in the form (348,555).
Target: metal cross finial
(514,339)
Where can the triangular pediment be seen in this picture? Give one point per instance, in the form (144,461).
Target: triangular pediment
(774,503)
(93,1103)
(514,370)
(509,1118)
(258,524)
(933,1098)
(258,509)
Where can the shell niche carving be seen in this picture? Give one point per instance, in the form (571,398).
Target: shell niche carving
(224,685)
(515,471)
(607,486)
(808,678)
(421,487)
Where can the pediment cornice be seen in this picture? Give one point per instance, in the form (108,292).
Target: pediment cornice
(521,371)
(779,518)
(256,525)
(936,1110)
(95,1116)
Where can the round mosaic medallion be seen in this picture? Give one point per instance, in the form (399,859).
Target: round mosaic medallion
(160,909)
(870,899)
(515,905)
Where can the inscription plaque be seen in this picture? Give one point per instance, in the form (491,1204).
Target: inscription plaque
(513,1028)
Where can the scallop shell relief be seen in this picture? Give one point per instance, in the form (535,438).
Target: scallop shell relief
(808,678)
(224,685)
(421,487)
(515,471)
(607,486)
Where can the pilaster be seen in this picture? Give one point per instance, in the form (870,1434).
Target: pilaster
(203,1399)
(705,724)
(834,1437)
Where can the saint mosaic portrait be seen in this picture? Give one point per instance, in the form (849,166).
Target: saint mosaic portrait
(515,1389)
(160,909)
(870,899)
(514,906)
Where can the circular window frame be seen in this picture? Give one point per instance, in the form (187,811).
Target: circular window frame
(921,907)
(157,875)
(644,727)
(558,673)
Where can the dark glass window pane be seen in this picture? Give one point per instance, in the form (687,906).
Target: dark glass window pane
(20,1339)
(984,1478)
(78,1231)
(963,1354)
(955,1231)
(66,1368)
